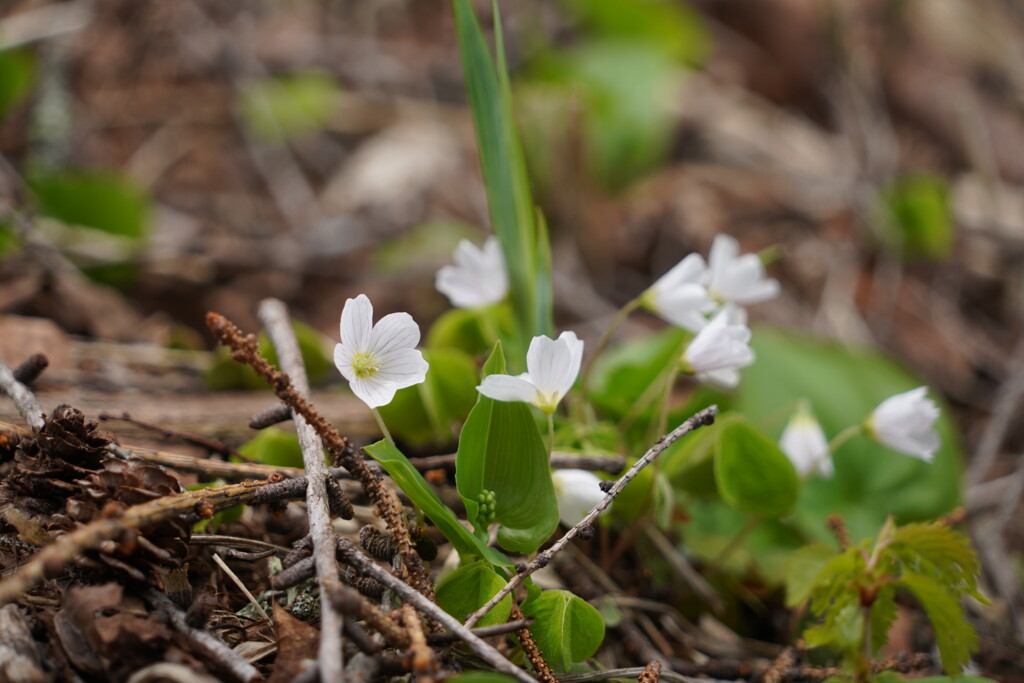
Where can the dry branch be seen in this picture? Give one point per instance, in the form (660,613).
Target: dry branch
(330,658)
(700,419)
(24,400)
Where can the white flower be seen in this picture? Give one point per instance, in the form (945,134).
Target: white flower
(804,443)
(577,491)
(679,295)
(719,350)
(906,422)
(478,277)
(378,360)
(552,366)
(737,279)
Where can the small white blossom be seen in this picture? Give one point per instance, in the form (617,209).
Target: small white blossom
(478,278)
(679,296)
(906,423)
(552,366)
(577,491)
(719,350)
(378,360)
(804,443)
(736,279)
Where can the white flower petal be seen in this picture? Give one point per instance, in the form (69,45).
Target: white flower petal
(403,367)
(577,492)
(356,322)
(906,422)
(727,378)
(724,250)
(373,391)
(393,331)
(691,270)
(804,443)
(719,346)
(478,278)
(554,363)
(737,279)
(343,360)
(508,388)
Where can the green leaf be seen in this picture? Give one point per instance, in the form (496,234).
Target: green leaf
(504,170)
(883,615)
(689,463)
(284,108)
(802,571)
(675,29)
(468,588)
(953,633)
(431,411)
(102,200)
(17,72)
(567,629)
(501,452)
(752,473)
(954,679)
(939,551)
(273,446)
(419,492)
(916,217)
(225,373)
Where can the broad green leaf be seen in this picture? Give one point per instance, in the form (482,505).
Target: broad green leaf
(419,492)
(954,679)
(273,446)
(689,463)
(802,570)
(916,217)
(567,629)
(468,588)
(504,170)
(752,473)
(17,71)
(954,635)
(883,615)
(283,108)
(430,412)
(501,452)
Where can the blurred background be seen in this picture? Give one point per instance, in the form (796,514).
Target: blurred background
(162,159)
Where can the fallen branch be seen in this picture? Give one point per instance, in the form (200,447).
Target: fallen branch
(704,417)
(24,400)
(53,558)
(330,657)
(351,554)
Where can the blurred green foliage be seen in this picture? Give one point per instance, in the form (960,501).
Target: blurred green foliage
(17,74)
(224,374)
(277,110)
(916,217)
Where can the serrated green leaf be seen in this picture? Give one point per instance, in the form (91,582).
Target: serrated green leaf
(567,629)
(468,588)
(842,627)
(501,451)
(419,492)
(752,472)
(954,635)
(939,551)
(883,614)
(802,570)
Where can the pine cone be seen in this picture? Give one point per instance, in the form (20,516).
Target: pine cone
(63,478)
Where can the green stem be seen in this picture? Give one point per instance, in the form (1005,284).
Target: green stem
(606,337)
(551,434)
(734,543)
(844,436)
(489,327)
(666,400)
(380,423)
(650,394)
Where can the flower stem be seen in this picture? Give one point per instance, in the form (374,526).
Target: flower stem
(606,337)
(551,434)
(666,399)
(488,325)
(734,543)
(844,436)
(380,423)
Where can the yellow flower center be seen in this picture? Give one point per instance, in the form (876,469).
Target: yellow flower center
(364,365)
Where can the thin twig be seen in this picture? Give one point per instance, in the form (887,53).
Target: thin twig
(483,631)
(352,554)
(242,587)
(212,445)
(24,400)
(220,653)
(244,349)
(1004,409)
(52,559)
(700,419)
(274,317)
(634,672)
